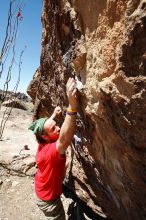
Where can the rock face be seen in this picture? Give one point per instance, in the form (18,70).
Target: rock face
(103,45)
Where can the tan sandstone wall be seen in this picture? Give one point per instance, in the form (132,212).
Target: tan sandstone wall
(103,44)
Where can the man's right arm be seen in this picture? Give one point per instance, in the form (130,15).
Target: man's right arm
(68,128)
(66,133)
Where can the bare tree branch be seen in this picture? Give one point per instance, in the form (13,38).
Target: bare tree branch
(14,16)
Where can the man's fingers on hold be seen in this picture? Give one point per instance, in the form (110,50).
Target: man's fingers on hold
(74,92)
(72,85)
(68,82)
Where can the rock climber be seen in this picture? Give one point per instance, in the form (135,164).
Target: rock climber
(50,157)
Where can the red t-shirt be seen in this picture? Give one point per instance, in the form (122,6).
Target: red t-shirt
(48,179)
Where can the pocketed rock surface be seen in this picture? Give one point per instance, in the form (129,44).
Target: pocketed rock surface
(103,45)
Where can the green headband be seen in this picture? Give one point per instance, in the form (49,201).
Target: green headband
(37,126)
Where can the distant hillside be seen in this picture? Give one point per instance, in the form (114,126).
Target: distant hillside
(4,96)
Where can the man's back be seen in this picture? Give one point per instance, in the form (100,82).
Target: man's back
(48,179)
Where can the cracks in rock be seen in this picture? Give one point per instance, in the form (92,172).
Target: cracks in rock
(133,49)
(79,208)
(112,13)
(93,183)
(131,7)
(125,119)
(87,163)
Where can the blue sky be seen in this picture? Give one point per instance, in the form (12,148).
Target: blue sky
(29,35)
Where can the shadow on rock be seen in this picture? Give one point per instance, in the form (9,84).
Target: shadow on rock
(78,209)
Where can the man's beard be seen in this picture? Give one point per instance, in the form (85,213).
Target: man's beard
(54,137)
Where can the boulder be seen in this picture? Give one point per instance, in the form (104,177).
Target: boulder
(103,45)
(14,103)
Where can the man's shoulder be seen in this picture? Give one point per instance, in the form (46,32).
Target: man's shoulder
(51,147)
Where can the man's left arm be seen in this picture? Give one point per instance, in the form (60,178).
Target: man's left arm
(57,112)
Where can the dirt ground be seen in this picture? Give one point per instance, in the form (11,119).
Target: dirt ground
(16,134)
(17,199)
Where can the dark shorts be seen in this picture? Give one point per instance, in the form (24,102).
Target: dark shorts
(53,210)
